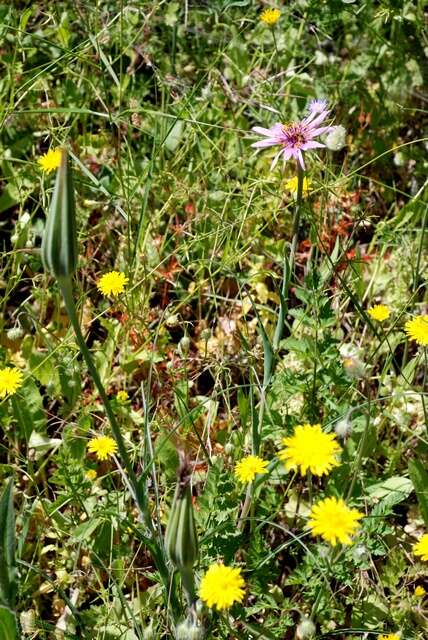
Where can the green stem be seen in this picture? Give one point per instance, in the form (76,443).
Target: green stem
(131,479)
(67,292)
(289,265)
(246,506)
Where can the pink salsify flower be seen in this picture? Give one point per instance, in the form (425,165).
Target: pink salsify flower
(296,137)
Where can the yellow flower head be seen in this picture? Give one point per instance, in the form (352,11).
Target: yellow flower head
(310,448)
(247,468)
(112,283)
(379,312)
(421,547)
(10,381)
(419,592)
(50,160)
(417,329)
(222,586)
(91,474)
(270,16)
(122,396)
(102,446)
(291,185)
(334,521)
(389,636)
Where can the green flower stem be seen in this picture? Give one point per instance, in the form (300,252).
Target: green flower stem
(289,264)
(246,506)
(288,272)
(155,548)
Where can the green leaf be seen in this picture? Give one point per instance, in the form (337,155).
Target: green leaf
(419,477)
(394,489)
(8,571)
(29,413)
(8,628)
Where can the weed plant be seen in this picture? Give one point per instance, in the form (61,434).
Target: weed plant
(261,330)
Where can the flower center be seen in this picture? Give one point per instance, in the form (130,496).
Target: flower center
(294,135)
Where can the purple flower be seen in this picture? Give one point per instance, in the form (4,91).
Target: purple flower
(295,137)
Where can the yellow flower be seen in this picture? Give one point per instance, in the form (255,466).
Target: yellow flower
(419,592)
(247,468)
(421,547)
(112,283)
(10,381)
(310,448)
(222,586)
(379,312)
(103,447)
(417,329)
(91,474)
(122,396)
(50,160)
(291,185)
(334,521)
(389,636)
(270,16)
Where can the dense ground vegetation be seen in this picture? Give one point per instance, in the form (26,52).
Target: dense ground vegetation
(155,102)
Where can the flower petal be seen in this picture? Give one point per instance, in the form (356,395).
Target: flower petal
(265,143)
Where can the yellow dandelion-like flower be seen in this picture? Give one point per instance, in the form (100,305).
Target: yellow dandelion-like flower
(112,283)
(103,447)
(334,521)
(247,468)
(291,185)
(50,160)
(421,547)
(310,448)
(10,381)
(222,586)
(270,16)
(417,329)
(91,474)
(379,312)
(419,592)
(389,636)
(122,396)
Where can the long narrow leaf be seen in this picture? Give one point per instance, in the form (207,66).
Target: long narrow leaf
(8,571)
(419,477)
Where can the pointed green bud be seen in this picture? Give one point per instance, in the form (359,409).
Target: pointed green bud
(59,246)
(181,538)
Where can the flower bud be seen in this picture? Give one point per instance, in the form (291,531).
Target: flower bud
(206,334)
(336,139)
(14,333)
(59,248)
(305,629)
(184,345)
(189,630)
(28,621)
(343,428)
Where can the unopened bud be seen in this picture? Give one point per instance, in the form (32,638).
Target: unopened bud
(189,630)
(305,629)
(28,621)
(184,345)
(343,428)
(206,334)
(172,320)
(15,333)
(59,248)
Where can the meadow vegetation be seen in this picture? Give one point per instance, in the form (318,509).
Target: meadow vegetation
(214,328)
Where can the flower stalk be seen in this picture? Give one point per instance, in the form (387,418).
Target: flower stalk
(59,252)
